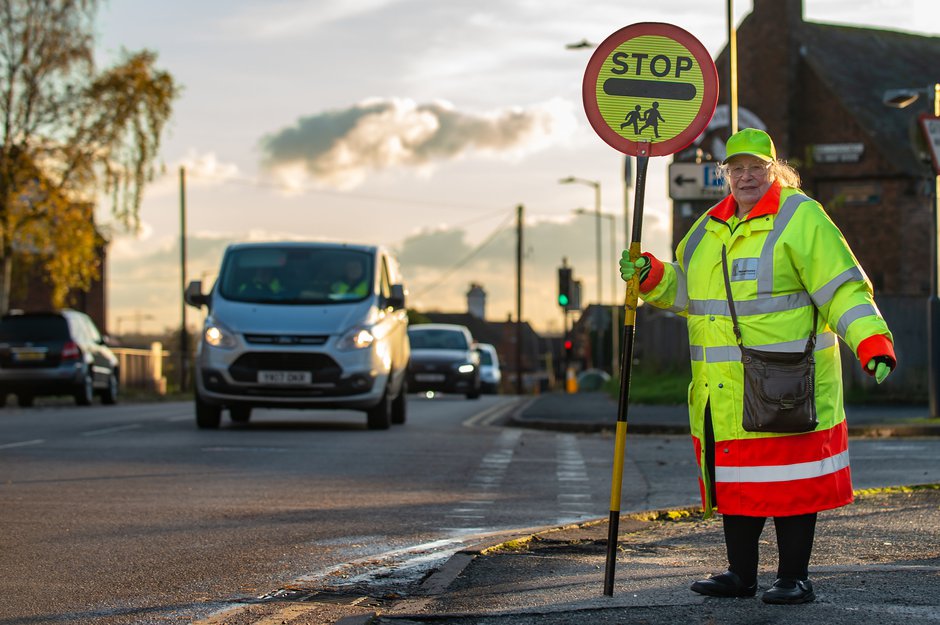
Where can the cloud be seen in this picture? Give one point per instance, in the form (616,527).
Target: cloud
(437,248)
(339,148)
(207,168)
(293,18)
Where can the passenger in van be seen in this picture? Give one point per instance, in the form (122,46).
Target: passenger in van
(262,281)
(353,282)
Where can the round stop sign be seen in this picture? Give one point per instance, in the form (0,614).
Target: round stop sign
(650,89)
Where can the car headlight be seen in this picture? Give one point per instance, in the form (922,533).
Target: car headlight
(359,337)
(466,367)
(217,335)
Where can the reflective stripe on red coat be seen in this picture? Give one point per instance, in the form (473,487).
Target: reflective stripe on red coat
(782,476)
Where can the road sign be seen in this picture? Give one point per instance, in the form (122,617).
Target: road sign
(696,181)
(650,89)
(931,126)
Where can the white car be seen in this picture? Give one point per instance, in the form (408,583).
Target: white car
(490,375)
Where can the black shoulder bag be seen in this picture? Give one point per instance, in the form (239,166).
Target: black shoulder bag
(779,387)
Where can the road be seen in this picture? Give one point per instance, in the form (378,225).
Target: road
(130,514)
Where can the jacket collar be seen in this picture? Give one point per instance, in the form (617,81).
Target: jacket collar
(769,204)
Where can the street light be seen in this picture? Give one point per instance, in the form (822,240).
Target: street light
(597,211)
(614,322)
(901,98)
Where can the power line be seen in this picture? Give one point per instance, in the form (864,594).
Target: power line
(261,184)
(468,257)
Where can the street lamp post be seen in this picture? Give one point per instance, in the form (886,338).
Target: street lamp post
(597,241)
(901,98)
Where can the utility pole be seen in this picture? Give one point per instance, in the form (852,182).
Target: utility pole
(519,214)
(732,71)
(184,340)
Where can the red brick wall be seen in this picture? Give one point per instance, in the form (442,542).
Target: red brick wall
(890,233)
(31,292)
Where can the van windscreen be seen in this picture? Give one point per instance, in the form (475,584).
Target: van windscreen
(296,275)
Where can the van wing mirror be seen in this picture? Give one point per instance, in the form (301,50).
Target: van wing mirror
(194,295)
(397,297)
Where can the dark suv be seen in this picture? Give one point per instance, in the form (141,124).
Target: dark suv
(55,353)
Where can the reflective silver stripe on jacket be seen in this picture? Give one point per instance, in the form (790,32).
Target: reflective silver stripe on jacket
(783,472)
(682,290)
(823,295)
(731,353)
(759,306)
(854,314)
(765,273)
(694,239)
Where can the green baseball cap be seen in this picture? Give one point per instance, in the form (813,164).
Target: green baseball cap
(750,141)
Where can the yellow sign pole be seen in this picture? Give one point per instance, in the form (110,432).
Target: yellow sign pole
(626,366)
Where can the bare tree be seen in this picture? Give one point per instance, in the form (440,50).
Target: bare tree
(70,135)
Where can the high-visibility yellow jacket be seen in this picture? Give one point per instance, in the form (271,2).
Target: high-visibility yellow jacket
(783,258)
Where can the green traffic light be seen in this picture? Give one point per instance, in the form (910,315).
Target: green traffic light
(563,299)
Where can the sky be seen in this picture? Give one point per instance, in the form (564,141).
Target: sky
(420,125)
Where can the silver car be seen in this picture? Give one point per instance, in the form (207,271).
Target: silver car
(303,325)
(490,374)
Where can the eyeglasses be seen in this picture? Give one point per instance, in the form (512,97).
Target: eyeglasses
(738,171)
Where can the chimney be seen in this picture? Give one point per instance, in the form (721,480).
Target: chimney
(476,301)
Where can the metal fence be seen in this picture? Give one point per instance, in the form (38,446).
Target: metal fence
(142,369)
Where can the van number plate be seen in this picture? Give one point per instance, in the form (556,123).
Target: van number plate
(285,377)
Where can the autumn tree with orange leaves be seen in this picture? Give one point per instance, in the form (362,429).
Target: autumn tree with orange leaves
(72,136)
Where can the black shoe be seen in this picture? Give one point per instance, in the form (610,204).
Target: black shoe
(787,591)
(727,584)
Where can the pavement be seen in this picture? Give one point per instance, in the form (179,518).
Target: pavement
(875,561)
(596,411)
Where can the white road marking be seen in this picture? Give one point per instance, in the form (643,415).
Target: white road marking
(487,479)
(571,473)
(117,428)
(35,441)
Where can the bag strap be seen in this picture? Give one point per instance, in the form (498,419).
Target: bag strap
(734,315)
(810,342)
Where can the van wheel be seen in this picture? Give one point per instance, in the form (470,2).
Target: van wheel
(207,415)
(240,414)
(400,405)
(85,392)
(379,417)
(110,393)
(24,401)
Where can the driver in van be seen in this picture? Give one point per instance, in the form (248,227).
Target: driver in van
(262,281)
(353,281)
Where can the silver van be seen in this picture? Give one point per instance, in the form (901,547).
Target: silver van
(302,325)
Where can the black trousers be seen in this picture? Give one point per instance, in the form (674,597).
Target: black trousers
(742,533)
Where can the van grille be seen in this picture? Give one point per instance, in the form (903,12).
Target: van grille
(246,367)
(287,339)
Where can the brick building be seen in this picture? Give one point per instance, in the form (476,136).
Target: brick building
(818,90)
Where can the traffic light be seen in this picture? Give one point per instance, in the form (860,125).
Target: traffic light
(574,296)
(569,345)
(564,286)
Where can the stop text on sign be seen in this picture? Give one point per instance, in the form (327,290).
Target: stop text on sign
(660,65)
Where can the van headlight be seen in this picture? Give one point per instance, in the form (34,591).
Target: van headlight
(359,337)
(217,335)
(466,367)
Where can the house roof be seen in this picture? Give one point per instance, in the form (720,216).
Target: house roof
(860,64)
